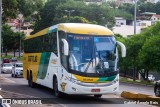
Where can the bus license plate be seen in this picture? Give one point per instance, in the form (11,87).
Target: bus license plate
(95,90)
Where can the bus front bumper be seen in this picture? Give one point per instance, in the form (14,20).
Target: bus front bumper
(92,88)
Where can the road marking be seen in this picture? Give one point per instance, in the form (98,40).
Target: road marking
(18,94)
(4,105)
(7,80)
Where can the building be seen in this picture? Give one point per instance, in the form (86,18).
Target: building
(155,18)
(15,26)
(126,30)
(119,2)
(99,2)
(120,21)
(147,15)
(153,1)
(126,27)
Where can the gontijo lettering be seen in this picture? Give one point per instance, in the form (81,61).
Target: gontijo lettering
(32,58)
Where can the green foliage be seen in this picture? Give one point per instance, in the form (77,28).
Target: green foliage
(11,40)
(122,13)
(143,51)
(54,13)
(47,15)
(9,9)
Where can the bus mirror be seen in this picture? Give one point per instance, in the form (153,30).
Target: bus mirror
(66,47)
(123,48)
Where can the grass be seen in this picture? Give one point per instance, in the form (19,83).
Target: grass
(128,80)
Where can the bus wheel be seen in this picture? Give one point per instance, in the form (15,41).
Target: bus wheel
(30,82)
(98,95)
(11,75)
(157,91)
(55,87)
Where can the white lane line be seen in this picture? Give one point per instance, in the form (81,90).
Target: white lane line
(7,80)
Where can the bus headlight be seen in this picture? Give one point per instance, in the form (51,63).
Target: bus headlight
(73,80)
(115,80)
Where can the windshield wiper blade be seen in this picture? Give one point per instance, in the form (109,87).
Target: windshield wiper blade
(88,65)
(92,56)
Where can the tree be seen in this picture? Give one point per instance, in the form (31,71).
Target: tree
(9,9)
(142,51)
(53,12)
(7,37)
(47,15)
(11,40)
(34,6)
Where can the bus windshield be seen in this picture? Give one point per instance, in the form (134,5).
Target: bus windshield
(91,54)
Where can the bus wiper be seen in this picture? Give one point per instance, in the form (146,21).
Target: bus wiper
(100,64)
(93,51)
(88,65)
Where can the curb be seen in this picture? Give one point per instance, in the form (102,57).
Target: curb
(152,100)
(137,84)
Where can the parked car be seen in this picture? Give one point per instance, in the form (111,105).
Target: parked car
(14,59)
(5,60)
(151,77)
(17,70)
(6,68)
(157,88)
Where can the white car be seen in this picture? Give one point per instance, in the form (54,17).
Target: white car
(17,70)
(151,78)
(6,68)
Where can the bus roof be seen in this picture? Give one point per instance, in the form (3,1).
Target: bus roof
(77,28)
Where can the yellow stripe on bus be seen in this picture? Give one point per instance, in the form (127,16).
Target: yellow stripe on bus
(86,79)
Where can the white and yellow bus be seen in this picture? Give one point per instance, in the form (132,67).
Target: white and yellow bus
(73,58)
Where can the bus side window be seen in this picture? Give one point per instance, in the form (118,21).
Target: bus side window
(54,42)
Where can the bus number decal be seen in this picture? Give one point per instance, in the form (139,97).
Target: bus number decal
(32,58)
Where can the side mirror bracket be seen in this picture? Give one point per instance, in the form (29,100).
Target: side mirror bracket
(66,47)
(123,48)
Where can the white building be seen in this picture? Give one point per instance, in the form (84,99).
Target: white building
(99,2)
(120,21)
(155,18)
(128,30)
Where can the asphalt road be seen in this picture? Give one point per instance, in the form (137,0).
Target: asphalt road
(143,89)
(18,88)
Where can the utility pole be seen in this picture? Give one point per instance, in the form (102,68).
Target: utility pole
(20,19)
(135,6)
(0,29)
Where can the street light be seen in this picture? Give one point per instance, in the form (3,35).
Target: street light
(20,16)
(69,12)
(135,3)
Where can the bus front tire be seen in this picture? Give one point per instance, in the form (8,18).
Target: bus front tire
(98,95)
(57,93)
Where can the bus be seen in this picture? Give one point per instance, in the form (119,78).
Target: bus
(73,58)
